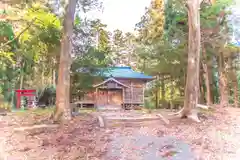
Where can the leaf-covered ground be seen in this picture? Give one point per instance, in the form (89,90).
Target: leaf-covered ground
(217,137)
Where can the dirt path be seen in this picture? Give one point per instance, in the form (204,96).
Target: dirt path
(5,133)
(81,139)
(216,138)
(140,146)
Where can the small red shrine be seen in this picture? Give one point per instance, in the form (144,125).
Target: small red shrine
(25,92)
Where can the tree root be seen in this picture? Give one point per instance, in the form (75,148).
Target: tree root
(42,126)
(177,113)
(101,122)
(193,115)
(202,106)
(165,120)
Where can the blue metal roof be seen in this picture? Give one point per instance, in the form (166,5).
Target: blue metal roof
(123,72)
(236,43)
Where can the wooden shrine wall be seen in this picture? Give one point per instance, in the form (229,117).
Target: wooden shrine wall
(135,92)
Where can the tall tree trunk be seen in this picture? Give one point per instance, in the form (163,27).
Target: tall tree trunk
(157,98)
(210,78)
(202,91)
(207,77)
(223,90)
(192,84)
(235,87)
(157,94)
(234,80)
(54,77)
(162,88)
(42,75)
(63,86)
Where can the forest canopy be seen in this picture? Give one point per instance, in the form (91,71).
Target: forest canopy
(30,46)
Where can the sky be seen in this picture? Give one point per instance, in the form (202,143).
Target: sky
(121,14)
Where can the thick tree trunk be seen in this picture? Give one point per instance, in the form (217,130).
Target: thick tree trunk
(202,91)
(207,77)
(234,80)
(192,84)
(157,98)
(63,107)
(162,88)
(210,78)
(157,89)
(235,90)
(223,89)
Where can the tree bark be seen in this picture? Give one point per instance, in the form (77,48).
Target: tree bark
(234,81)
(223,90)
(207,75)
(63,108)
(157,98)
(157,94)
(202,91)
(162,88)
(192,84)
(235,90)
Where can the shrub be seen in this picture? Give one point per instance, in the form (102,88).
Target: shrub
(5,106)
(149,104)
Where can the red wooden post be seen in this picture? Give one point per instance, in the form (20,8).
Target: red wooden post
(18,99)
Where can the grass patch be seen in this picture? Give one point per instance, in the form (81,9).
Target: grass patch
(47,111)
(37,111)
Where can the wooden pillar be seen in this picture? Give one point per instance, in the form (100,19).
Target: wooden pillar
(143,89)
(123,96)
(131,93)
(18,99)
(81,105)
(95,98)
(108,97)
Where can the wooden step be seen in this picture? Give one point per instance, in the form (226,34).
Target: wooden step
(109,109)
(110,124)
(131,121)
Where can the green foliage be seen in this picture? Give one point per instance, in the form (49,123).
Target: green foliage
(77,20)
(166,56)
(33,62)
(152,23)
(149,104)
(36,49)
(210,13)
(159,48)
(84,68)
(6,30)
(5,106)
(102,36)
(49,90)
